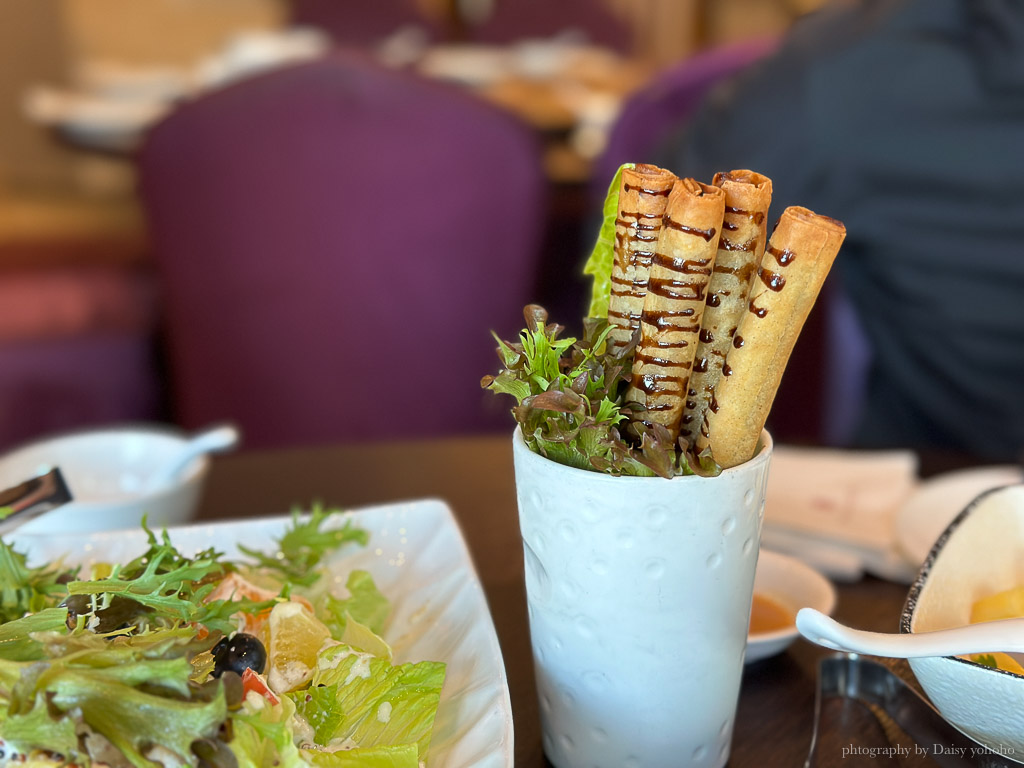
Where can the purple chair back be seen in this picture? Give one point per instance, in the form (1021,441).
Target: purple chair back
(649,116)
(76,349)
(56,385)
(336,241)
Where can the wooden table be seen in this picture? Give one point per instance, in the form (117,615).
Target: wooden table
(474,475)
(569,95)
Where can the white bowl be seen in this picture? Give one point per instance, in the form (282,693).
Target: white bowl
(107,473)
(979,554)
(794,585)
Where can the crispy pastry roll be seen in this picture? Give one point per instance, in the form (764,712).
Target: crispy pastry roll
(676,294)
(643,194)
(793,269)
(744,233)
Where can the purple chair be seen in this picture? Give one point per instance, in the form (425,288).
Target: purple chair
(336,241)
(649,116)
(76,350)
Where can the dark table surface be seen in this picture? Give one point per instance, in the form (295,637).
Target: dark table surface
(474,476)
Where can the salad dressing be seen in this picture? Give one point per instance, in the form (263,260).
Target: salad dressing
(361,669)
(288,676)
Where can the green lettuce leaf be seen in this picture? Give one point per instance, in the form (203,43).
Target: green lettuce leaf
(301,549)
(132,719)
(37,729)
(365,604)
(362,638)
(133,704)
(397,756)
(601,257)
(24,589)
(263,737)
(364,698)
(16,641)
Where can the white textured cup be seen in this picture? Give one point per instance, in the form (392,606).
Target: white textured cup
(639,594)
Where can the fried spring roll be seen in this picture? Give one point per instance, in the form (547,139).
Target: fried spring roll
(676,294)
(744,233)
(793,269)
(643,194)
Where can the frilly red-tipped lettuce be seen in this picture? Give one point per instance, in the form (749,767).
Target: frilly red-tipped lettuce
(569,392)
(569,405)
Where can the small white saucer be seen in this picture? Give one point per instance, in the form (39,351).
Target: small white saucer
(794,585)
(932,507)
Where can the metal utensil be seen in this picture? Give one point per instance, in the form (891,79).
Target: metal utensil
(904,720)
(32,498)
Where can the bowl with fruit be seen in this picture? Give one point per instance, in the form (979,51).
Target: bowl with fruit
(975,573)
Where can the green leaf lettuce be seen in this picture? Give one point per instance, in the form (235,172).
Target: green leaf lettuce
(601,257)
(359,697)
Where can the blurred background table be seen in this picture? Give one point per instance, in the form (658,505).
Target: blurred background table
(475,477)
(73,228)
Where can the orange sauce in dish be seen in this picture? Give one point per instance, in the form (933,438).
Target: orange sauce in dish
(769,615)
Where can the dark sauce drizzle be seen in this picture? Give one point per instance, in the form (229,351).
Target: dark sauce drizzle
(756,216)
(773,280)
(783,256)
(759,311)
(707,234)
(683,290)
(643,190)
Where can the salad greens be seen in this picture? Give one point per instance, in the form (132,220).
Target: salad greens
(570,391)
(603,254)
(23,589)
(123,666)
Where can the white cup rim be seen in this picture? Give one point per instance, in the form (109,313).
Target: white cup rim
(766,444)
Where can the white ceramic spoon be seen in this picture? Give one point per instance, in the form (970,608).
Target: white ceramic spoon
(214,440)
(986,637)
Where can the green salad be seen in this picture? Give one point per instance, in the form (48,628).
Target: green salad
(569,391)
(175,660)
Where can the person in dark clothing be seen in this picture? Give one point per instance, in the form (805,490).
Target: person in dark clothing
(905,120)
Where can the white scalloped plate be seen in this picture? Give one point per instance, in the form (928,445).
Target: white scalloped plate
(419,560)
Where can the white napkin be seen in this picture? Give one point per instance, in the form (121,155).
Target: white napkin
(250,52)
(836,509)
